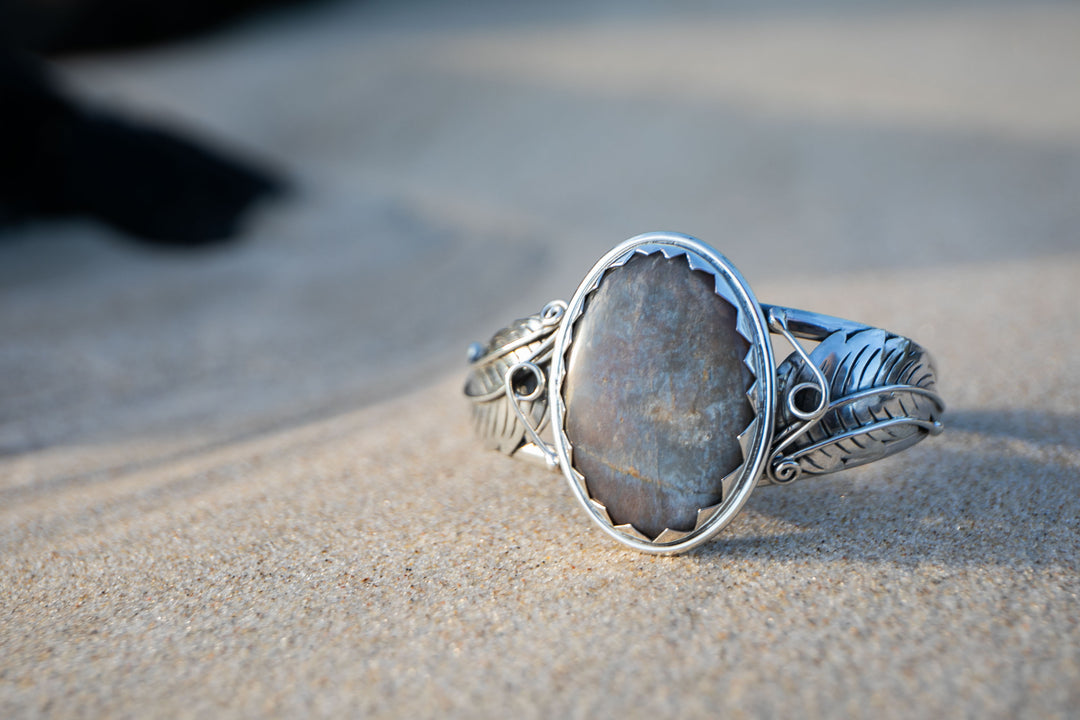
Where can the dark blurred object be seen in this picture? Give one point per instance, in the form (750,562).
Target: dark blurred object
(58,26)
(59,157)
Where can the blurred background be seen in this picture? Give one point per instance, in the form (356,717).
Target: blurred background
(450,166)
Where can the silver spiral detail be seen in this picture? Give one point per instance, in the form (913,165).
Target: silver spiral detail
(785,471)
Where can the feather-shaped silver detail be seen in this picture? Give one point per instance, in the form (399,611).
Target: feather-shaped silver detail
(883,399)
(527,340)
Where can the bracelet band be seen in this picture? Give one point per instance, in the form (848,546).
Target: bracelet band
(655,391)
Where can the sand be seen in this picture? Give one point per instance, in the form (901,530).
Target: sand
(240,482)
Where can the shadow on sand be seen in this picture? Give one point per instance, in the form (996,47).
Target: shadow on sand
(1005,490)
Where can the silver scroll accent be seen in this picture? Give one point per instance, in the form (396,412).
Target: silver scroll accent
(878,398)
(507,383)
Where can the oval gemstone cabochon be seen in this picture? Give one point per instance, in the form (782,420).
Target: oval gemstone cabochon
(655,393)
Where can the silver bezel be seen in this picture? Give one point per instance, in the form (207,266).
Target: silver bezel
(755,440)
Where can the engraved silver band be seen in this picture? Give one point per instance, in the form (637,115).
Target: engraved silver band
(860,394)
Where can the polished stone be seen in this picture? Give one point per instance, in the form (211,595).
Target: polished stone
(656,393)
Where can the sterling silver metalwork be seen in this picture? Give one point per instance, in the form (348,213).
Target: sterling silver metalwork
(862,393)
